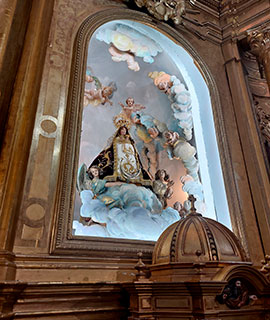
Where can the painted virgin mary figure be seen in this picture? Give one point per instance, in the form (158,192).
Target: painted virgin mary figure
(121,160)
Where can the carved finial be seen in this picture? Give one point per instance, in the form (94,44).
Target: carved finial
(192,200)
(140,262)
(198,253)
(266,266)
(143,271)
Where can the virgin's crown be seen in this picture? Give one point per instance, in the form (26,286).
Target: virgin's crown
(121,120)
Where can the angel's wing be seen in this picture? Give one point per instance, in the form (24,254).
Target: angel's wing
(97,82)
(161,126)
(89,72)
(82,178)
(112,84)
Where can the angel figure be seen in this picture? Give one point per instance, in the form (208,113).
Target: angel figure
(162,81)
(181,209)
(90,180)
(179,148)
(162,186)
(131,107)
(99,94)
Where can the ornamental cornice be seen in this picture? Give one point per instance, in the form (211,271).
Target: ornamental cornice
(213,4)
(214,20)
(205,6)
(236,6)
(237,26)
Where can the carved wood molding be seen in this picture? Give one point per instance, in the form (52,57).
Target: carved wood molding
(213,20)
(266,267)
(221,21)
(236,5)
(164,9)
(210,6)
(264,122)
(237,16)
(62,300)
(9,293)
(186,16)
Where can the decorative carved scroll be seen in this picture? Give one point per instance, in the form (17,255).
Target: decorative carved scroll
(259,42)
(266,266)
(164,9)
(264,122)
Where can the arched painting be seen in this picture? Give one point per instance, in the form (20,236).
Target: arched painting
(148,139)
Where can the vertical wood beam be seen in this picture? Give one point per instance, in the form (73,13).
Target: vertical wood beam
(19,129)
(256,169)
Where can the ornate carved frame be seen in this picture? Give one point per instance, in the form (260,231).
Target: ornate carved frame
(63,241)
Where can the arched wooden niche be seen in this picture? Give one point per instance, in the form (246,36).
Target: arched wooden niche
(173,91)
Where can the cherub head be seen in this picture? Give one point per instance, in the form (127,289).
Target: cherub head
(107,91)
(170,136)
(180,208)
(226,293)
(177,206)
(130,102)
(164,86)
(88,78)
(93,172)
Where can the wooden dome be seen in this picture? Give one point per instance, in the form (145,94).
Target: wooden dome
(197,239)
